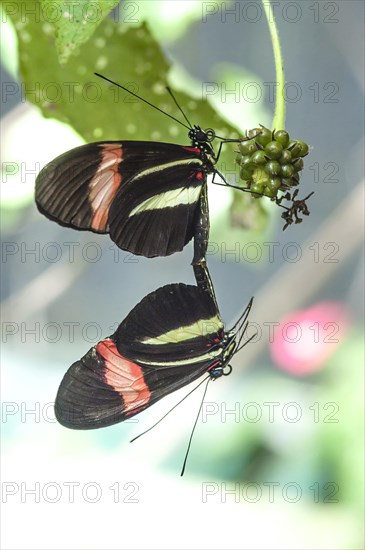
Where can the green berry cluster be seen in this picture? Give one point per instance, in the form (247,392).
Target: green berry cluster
(270,161)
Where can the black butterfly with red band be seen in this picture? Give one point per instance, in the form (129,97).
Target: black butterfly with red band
(146,195)
(171,338)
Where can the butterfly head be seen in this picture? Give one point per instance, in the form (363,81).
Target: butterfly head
(202,138)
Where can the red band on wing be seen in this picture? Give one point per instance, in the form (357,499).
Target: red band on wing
(193,149)
(104,185)
(124,377)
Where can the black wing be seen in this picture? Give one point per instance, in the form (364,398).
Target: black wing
(168,340)
(145,194)
(176,322)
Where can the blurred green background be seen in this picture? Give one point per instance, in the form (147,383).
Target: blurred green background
(277,457)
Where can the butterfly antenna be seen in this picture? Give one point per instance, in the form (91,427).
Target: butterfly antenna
(142,99)
(242,321)
(195,423)
(238,348)
(178,106)
(174,407)
(244,315)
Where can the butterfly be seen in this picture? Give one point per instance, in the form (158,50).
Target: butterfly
(146,195)
(171,338)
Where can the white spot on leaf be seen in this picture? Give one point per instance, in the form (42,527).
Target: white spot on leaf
(131,128)
(25,37)
(100,42)
(174,131)
(101,62)
(47,28)
(158,88)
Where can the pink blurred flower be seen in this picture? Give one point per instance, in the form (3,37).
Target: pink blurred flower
(305,339)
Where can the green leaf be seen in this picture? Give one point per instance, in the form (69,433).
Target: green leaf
(74,21)
(99,111)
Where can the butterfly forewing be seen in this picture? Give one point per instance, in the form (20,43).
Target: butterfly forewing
(168,340)
(85,400)
(145,194)
(63,187)
(176,322)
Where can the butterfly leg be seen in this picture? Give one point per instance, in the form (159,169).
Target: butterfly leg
(222,177)
(216,158)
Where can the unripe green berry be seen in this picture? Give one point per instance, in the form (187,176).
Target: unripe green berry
(273,168)
(270,192)
(247,147)
(304,147)
(295,148)
(274,183)
(282,137)
(258,157)
(285,157)
(273,149)
(287,170)
(246,173)
(257,188)
(264,137)
(298,164)
(245,159)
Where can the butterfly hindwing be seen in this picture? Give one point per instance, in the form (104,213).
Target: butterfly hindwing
(154,215)
(162,345)
(145,194)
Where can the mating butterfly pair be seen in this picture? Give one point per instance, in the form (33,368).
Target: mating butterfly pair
(152,200)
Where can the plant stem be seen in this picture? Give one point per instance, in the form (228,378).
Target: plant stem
(278,122)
